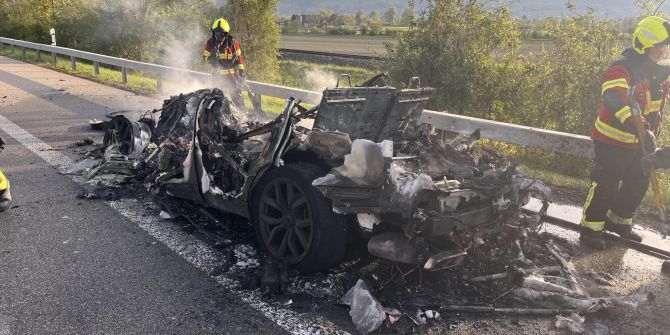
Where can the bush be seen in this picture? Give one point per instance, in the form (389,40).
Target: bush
(540,34)
(376,29)
(254,25)
(394,31)
(342,30)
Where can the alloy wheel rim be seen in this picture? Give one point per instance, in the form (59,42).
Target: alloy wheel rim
(286,220)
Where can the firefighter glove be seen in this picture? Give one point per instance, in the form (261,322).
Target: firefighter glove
(649,141)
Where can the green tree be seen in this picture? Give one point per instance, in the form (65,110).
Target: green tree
(391,16)
(254,25)
(345,19)
(650,7)
(408,16)
(327,14)
(374,17)
(583,48)
(361,19)
(466,52)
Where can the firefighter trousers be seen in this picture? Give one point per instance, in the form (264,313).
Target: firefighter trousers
(618,185)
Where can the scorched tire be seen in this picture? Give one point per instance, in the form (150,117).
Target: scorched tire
(293,221)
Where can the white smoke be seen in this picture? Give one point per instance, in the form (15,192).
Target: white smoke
(317,79)
(183,48)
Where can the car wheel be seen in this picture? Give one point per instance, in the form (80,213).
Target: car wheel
(293,221)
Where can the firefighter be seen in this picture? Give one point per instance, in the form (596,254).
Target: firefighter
(620,178)
(223,53)
(5,195)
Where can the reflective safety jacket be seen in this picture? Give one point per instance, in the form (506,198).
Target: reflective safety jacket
(229,55)
(4,184)
(613,125)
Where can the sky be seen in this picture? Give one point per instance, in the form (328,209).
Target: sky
(530,8)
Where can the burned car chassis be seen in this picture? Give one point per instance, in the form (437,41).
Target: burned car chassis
(366,165)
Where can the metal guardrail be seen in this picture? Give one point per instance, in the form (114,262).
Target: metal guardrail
(532,137)
(577,145)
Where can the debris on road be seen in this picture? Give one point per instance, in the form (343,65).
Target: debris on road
(513,272)
(165,215)
(98,124)
(82,167)
(366,312)
(507,310)
(85,141)
(574,323)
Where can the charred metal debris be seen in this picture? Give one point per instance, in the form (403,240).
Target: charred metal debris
(366,165)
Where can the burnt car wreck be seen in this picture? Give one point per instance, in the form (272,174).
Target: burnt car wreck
(365,166)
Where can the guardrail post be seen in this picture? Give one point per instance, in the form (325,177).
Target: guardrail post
(2,47)
(23,52)
(38,55)
(12,48)
(53,58)
(73,61)
(96,68)
(159,83)
(124,75)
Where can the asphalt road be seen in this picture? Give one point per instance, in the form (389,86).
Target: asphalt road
(72,266)
(81,267)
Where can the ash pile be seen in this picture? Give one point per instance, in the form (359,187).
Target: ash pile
(443,218)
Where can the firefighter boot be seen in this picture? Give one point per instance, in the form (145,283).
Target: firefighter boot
(623,230)
(592,239)
(622,227)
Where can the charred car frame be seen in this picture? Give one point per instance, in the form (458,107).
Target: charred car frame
(365,165)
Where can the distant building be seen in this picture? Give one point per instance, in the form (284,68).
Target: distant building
(281,22)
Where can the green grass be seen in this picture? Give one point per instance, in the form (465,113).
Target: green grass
(554,178)
(272,104)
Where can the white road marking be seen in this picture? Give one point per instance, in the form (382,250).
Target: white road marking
(193,250)
(34,144)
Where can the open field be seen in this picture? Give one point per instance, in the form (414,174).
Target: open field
(367,45)
(354,45)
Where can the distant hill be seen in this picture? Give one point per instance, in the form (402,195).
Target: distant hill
(529,8)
